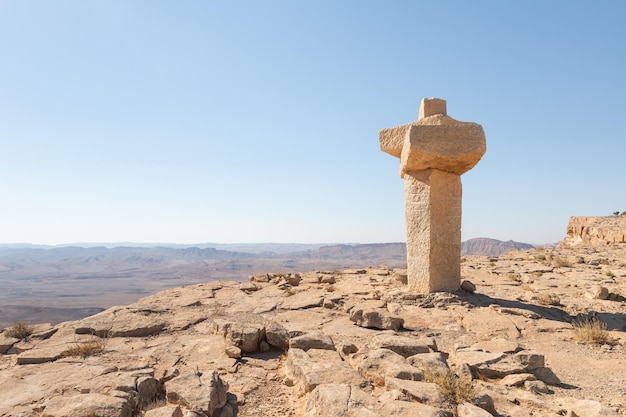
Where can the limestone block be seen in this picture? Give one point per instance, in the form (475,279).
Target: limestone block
(431,107)
(454,148)
(433,230)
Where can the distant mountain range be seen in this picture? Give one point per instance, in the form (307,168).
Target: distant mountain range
(491,247)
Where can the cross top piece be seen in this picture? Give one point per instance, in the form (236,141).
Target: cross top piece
(435,141)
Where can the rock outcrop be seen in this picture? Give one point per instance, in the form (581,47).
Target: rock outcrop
(596,231)
(359,344)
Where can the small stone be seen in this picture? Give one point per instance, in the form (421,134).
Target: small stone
(537,387)
(468,286)
(233,352)
(264,346)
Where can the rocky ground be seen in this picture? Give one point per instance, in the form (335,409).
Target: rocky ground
(343,343)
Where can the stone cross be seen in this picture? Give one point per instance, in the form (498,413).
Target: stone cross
(434,151)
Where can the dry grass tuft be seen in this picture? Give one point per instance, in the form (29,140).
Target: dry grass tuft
(453,389)
(561,263)
(591,331)
(19,330)
(549,299)
(88,348)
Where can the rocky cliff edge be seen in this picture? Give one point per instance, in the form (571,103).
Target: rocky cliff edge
(341,343)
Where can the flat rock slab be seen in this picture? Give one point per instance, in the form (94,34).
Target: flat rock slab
(403,345)
(316,367)
(42,355)
(302,300)
(338,400)
(423,392)
(87,405)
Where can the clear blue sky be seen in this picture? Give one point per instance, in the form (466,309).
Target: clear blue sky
(257,121)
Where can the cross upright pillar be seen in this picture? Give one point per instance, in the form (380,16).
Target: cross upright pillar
(434,151)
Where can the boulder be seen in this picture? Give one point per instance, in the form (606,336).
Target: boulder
(246,335)
(375,318)
(435,361)
(378,364)
(423,392)
(312,340)
(204,392)
(276,335)
(318,366)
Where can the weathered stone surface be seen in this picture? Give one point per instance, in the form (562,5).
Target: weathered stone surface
(276,335)
(423,392)
(319,366)
(328,400)
(378,364)
(205,393)
(403,345)
(246,335)
(404,408)
(585,408)
(471,410)
(312,340)
(434,361)
(434,152)
(517,380)
(546,375)
(7,343)
(87,405)
(34,356)
(376,318)
(165,411)
(433,224)
(497,345)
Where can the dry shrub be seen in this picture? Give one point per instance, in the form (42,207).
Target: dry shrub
(19,330)
(592,331)
(549,299)
(88,348)
(515,277)
(561,263)
(454,389)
